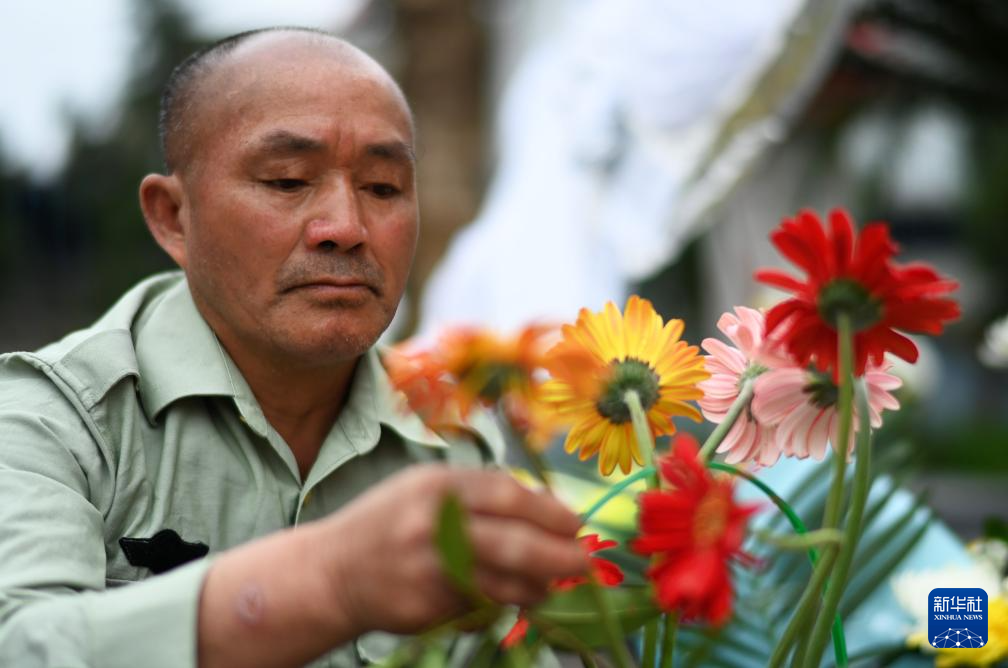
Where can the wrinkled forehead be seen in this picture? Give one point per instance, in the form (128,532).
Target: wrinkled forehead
(278,75)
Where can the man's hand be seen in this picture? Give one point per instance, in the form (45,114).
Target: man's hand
(388,569)
(290,597)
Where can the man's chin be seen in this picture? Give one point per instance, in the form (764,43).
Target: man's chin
(331,345)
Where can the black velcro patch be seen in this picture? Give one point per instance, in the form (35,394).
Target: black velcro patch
(162,552)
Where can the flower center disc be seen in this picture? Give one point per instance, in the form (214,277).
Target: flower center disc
(846,296)
(626,375)
(710,520)
(493,380)
(821,389)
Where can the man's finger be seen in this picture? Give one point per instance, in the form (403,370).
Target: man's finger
(496,493)
(509,589)
(518,548)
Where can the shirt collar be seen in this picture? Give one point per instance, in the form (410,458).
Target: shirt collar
(179,356)
(373,403)
(177,353)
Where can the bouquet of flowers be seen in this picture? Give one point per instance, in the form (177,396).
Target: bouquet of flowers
(808,376)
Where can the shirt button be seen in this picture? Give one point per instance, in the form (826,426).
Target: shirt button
(308,498)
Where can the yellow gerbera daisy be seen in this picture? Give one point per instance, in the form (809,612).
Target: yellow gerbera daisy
(631,351)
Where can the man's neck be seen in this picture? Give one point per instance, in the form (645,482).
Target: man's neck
(301,404)
(300,397)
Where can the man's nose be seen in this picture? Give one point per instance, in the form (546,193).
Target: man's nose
(338,222)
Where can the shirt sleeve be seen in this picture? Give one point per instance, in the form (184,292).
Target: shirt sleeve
(54,606)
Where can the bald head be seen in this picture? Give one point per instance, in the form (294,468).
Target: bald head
(194,84)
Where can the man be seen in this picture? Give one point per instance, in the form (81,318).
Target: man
(242,411)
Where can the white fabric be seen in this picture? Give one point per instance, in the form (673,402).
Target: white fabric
(599,132)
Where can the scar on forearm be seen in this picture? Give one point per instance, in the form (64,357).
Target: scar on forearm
(250,604)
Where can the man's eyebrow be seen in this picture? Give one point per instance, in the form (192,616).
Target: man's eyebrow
(284,141)
(287,142)
(396,151)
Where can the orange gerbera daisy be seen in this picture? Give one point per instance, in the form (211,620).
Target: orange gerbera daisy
(607,354)
(470,366)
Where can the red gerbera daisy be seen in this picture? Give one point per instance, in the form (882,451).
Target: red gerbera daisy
(852,273)
(693,529)
(606,573)
(517,632)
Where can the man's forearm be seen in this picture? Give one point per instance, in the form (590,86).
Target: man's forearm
(373,565)
(273,602)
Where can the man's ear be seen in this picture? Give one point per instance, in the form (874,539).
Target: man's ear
(162,202)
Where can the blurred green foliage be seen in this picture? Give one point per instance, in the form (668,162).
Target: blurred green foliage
(70,247)
(100,180)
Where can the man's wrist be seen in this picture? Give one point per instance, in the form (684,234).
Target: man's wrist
(331,585)
(282,586)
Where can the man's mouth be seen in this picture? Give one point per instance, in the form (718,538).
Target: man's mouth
(334,286)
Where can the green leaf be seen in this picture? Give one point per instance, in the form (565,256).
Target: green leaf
(765,596)
(457,558)
(517,657)
(882,569)
(484,654)
(876,505)
(571,614)
(435,656)
(762,597)
(406,655)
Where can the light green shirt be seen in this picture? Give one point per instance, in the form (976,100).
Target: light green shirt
(141,423)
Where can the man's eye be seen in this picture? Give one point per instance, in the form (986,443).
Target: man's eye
(383,190)
(286,185)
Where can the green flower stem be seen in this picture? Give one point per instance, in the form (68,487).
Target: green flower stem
(646,445)
(817,538)
(534,458)
(852,530)
(407,654)
(810,597)
(834,500)
(620,654)
(741,402)
(538,464)
(668,640)
(804,611)
(616,490)
(483,615)
(557,634)
(650,655)
(782,505)
(839,642)
(835,496)
(645,442)
(845,410)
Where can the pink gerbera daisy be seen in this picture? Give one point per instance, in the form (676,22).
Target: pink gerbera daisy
(801,405)
(753,354)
